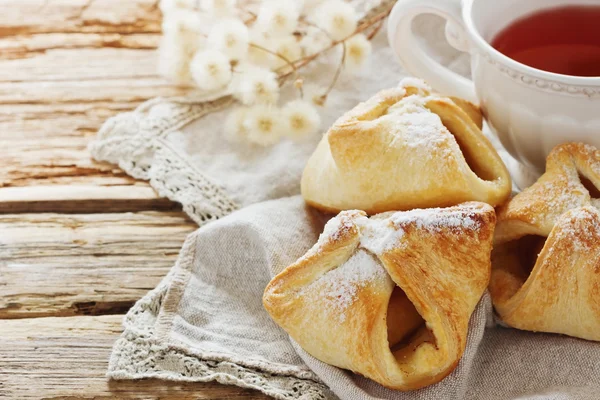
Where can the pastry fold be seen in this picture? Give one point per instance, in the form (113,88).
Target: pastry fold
(546,258)
(405,148)
(388,297)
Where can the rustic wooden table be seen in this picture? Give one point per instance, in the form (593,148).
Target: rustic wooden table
(80,241)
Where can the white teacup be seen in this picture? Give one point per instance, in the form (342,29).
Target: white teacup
(530,110)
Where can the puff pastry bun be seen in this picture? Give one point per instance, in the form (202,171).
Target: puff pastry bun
(405,148)
(388,297)
(546,258)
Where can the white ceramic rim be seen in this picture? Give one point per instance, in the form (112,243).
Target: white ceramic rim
(509,62)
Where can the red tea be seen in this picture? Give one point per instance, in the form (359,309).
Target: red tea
(564,40)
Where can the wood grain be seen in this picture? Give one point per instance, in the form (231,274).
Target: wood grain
(56,264)
(65,67)
(87,198)
(20,17)
(66,358)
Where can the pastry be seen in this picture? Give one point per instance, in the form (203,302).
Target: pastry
(405,148)
(390,296)
(546,258)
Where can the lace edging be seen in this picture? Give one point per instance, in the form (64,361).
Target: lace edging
(135,142)
(136,357)
(137,354)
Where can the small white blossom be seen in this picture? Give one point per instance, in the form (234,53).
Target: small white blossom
(278,17)
(264,125)
(234,125)
(286,47)
(315,94)
(256,85)
(358,49)
(314,41)
(302,119)
(182,21)
(218,7)
(210,69)
(337,18)
(231,37)
(174,59)
(170,5)
(177,47)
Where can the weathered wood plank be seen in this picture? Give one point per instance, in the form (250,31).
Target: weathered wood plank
(52,358)
(15,47)
(47,143)
(47,16)
(78,198)
(58,265)
(65,67)
(81,64)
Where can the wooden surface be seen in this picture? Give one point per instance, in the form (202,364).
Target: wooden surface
(80,241)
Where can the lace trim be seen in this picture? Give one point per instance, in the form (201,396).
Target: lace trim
(135,142)
(138,354)
(136,358)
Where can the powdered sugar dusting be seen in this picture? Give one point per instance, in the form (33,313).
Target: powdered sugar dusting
(583,231)
(415,125)
(436,219)
(416,83)
(564,195)
(381,235)
(336,226)
(340,286)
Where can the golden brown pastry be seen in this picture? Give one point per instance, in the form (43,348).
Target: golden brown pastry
(546,258)
(405,148)
(388,297)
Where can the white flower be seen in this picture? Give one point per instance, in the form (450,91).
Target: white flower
(314,41)
(234,125)
(337,18)
(231,37)
(264,125)
(170,5)
(218,7)
(256,85)
(182,21)
(315,94)
(177,47)
(174,60)
(288,48)
(210,69)
(302,119)
(278,17)
(358,49)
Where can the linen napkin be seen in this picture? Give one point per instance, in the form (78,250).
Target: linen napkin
(205,322)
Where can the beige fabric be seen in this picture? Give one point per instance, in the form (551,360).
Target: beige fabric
(206,322)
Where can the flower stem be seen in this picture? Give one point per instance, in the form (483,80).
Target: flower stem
(283,77)
(378,15)
(337,71)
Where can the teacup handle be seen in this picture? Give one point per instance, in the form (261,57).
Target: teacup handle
(415,60)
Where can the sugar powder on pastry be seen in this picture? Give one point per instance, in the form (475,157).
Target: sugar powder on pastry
(388,297)
(546,258)
(405,148)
